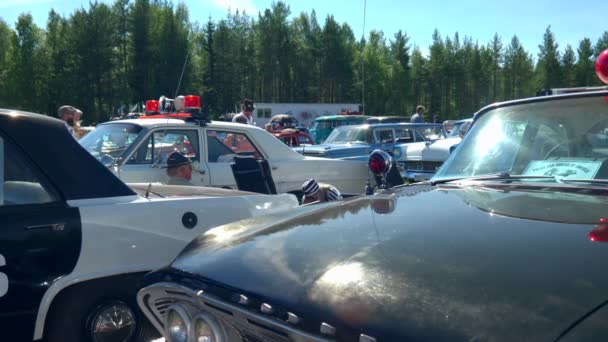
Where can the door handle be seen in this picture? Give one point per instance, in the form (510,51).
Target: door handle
(275,167)
(202,172)
(56,227)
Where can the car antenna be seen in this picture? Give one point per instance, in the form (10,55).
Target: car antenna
(148,190)
(179,83)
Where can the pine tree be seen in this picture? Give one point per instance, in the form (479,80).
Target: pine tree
(585,65)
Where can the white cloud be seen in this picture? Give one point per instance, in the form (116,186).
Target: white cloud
(233,5)
(21,3)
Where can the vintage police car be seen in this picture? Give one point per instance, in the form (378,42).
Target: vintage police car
(136,150)
(523,260)
(74,239)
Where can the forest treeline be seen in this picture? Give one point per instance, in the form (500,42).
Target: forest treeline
(104,56)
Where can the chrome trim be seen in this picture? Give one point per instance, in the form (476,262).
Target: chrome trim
(365,338)
(327,329)
(292,318)
(243,300)
(266,308)
(234,315)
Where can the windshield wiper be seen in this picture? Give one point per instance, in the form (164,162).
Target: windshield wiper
(582,180)
(505,176)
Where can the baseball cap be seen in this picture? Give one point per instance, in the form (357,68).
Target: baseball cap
(310,187)
(333,194)
(177,159)
(248,105)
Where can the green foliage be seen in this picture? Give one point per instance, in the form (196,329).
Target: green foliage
(107,57)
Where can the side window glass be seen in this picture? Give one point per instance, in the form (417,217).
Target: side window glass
(224,145)
(385,136)
(403,135)
(160,144)
(19,183)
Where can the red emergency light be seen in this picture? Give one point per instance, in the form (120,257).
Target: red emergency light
(152,106)
(192,101)
(601,66)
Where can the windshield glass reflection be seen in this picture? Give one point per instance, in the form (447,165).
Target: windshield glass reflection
(565,139)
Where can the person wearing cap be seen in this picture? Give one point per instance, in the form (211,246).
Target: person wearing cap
(418,117)
(319,192)
(246,114)
(67,114)
(179,169)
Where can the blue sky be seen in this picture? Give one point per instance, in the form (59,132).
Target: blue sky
(569,20)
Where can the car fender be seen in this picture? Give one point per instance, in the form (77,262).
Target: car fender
(143,235)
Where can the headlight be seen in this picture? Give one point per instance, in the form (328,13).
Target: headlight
(177,324)
(207,329)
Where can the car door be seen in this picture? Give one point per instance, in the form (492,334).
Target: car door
(148,161)
(40,239)
(222,146)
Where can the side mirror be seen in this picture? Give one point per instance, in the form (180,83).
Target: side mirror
(107,160)
(452,148)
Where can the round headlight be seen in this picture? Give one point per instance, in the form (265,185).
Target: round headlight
(177,324)
(207,329)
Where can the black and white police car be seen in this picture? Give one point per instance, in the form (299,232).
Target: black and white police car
(74,239)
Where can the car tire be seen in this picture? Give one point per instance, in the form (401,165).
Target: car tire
(77,314)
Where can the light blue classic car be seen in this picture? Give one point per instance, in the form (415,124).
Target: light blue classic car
(357,142)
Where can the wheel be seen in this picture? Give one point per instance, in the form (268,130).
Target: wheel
(98,313)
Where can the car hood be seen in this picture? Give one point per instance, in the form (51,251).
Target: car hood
(438,150)
(492,265)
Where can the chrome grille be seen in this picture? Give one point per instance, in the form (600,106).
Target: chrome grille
(241,323)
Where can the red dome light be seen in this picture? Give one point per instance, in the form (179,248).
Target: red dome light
(601,66)
(152,106)
(192,101)
(379,162)
(600,232)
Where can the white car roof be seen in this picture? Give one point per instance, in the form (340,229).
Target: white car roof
(271,146)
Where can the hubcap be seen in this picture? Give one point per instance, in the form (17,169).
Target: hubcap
(114,322)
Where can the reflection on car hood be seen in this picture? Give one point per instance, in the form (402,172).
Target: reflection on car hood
(162,190)
(438,150)
(335,149)
(392,265)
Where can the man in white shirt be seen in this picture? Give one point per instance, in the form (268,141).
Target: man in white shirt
(246,114)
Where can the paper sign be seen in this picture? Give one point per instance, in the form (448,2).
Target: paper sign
(574,169)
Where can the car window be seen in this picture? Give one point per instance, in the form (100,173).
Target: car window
(384,136)
(160,144)
(404,135)
(110,139)
(302,139)
(19,182)
(224,145)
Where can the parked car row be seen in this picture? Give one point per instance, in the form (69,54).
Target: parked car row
(522,261)
(527,186)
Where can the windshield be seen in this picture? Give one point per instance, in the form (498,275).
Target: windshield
(348,134)
(565,138)
(110,139)
(459,127)
(432,132)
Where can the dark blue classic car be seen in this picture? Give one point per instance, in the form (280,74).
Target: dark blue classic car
(357,142)
(505,243)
